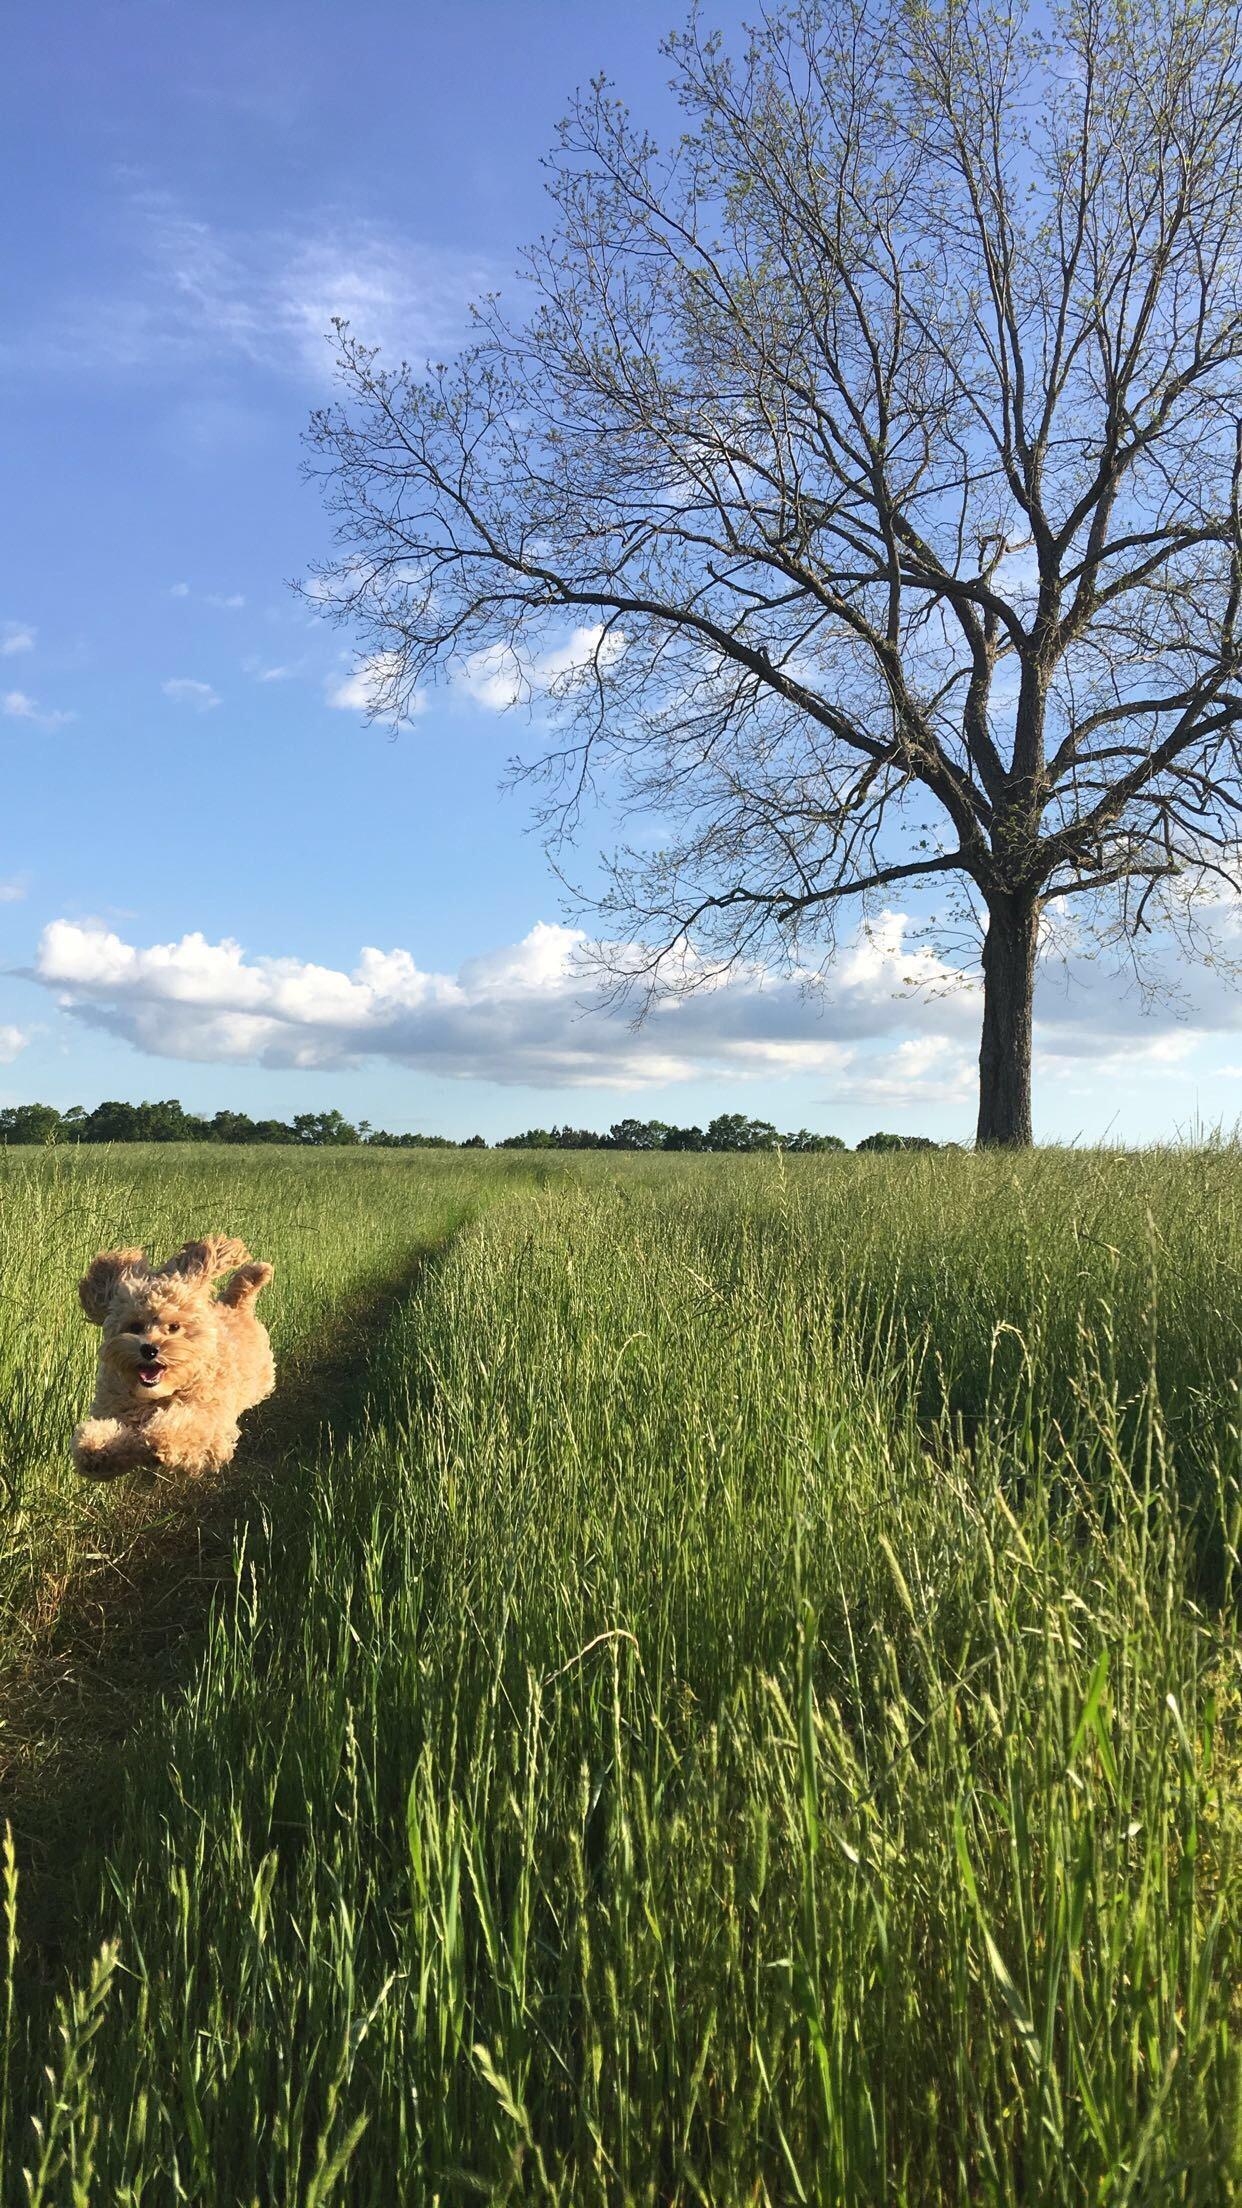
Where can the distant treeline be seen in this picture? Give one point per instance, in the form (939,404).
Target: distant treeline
(169,1122)
(729,1131)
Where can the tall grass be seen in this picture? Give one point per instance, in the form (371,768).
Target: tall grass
(738,1720)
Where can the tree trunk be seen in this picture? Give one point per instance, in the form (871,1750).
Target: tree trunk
(1008,999)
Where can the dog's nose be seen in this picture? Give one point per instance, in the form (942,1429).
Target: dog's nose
(149,1351)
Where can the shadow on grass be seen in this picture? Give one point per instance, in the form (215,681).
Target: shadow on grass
(125,1627)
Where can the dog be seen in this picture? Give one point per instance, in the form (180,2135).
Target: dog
(177,1363)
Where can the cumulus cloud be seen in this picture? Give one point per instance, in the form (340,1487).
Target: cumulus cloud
(525,1013)
(362,691)
(888,1029)
(183,690)
(15,637)
(497,677)
(12,1039)
(18,705)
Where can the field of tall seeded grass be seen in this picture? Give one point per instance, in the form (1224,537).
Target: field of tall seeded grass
(718,1685)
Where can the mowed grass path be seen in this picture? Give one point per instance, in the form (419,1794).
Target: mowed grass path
(747,1711)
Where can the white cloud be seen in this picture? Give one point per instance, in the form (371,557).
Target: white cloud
(224,601)
(15,637)
(526,1013)
(18,705)
(887,1030)
(1085,1063)
(275,674)
(12,1039)
(266,296)
(362,691)
(497,677)
(925,1070)
(183,690)
(12,892)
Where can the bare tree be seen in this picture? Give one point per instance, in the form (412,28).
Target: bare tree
(884,441)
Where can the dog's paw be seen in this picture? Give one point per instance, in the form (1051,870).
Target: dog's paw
(103,1448)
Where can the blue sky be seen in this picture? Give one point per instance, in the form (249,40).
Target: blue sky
(216,881)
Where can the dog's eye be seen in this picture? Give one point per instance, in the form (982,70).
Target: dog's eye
(172,1327)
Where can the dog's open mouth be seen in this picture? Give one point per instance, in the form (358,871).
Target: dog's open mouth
(149,1374)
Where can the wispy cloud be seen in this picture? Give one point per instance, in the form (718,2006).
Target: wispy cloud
(12,1039)
(925,1070)
(18,705)
(197,291)
(15,636)
(183,690)
(224,601)
(12,891)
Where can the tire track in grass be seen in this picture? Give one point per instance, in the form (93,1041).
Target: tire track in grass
(124,1632)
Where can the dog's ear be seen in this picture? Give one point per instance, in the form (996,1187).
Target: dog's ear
(100,1281)
(246,1284)
(203,1262)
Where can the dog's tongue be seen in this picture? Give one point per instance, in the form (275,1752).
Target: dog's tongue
(148,1373)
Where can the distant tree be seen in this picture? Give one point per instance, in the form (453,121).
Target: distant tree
(474,1142)
(734,1131)
(168,1122)
(112,1121)
(231,1127)
(805,1141)
(883,441)
(271,1130)
(30,1123)
(638,1134)
(324,1129)
(898,1142)
(164,1121)
(684,1138)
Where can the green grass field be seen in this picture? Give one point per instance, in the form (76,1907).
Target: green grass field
(716,1683)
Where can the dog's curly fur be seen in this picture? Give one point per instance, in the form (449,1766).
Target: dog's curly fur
(177,1363)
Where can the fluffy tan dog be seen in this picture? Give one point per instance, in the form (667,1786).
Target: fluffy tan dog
(177,1364)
